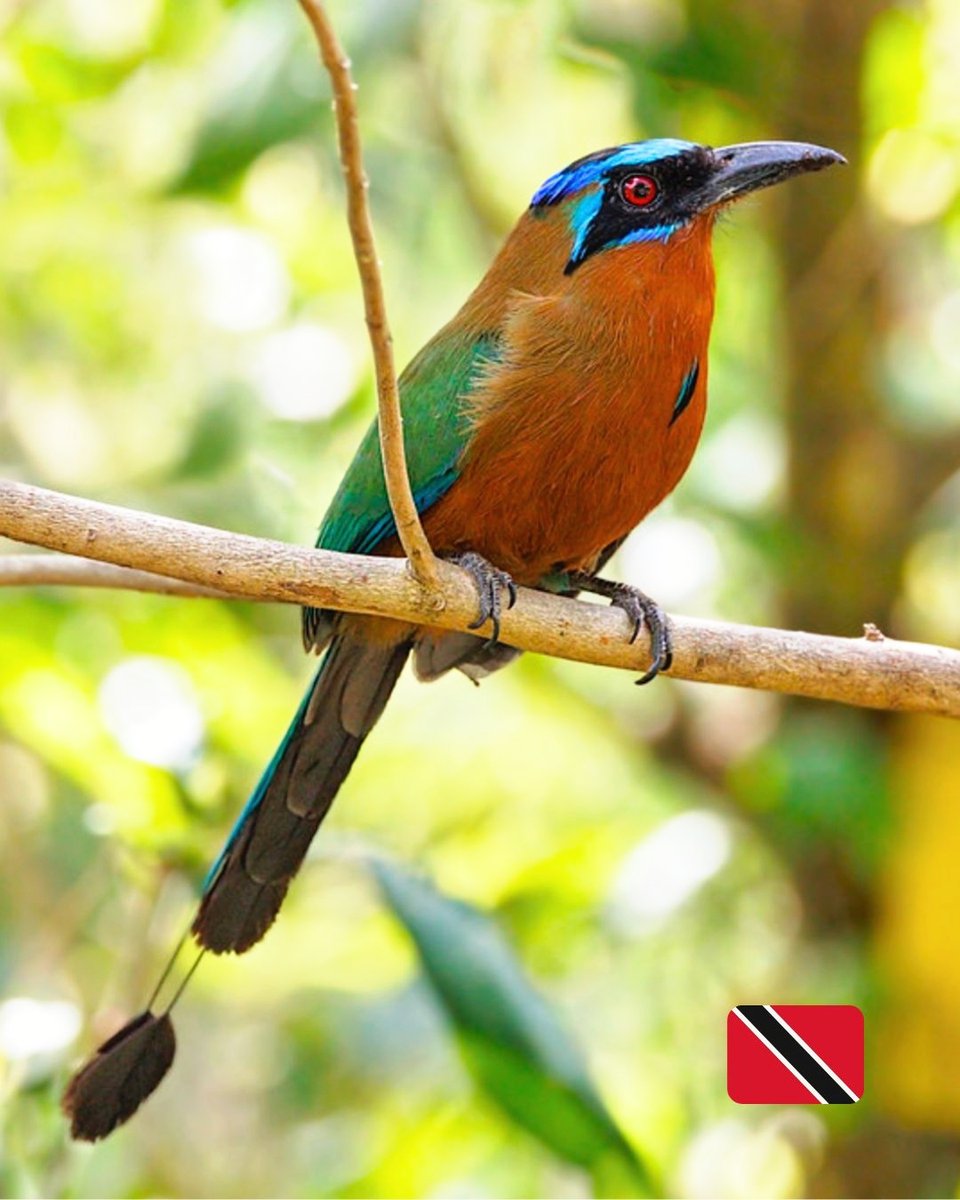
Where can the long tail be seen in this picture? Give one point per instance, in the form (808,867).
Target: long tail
(247,884)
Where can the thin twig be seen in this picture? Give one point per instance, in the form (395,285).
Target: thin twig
(412,537)
(887,674)
(29,570)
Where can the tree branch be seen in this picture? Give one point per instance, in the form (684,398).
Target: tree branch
(872,672)
(404,509)
(30,570)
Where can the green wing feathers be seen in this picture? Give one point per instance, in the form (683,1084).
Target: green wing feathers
(436,430)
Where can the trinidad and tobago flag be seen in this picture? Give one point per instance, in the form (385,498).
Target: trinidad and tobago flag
(795,1054)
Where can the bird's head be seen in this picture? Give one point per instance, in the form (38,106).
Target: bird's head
(649,191)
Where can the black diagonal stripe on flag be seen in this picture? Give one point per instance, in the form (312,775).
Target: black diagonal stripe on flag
(826,1086)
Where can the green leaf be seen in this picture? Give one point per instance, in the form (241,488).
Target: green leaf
(258,102)
(719,48)
(512,1041)
(219,435)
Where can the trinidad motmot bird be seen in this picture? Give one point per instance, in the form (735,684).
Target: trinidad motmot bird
(560,405)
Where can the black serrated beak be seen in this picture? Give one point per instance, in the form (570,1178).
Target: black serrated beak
(754,165)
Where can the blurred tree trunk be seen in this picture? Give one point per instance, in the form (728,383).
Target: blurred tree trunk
(848,499)
(855,483)
(854,490)
(849,510)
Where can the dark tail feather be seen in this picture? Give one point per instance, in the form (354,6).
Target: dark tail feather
(247,885)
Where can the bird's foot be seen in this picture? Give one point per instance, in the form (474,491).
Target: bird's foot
(490,583)
(641,610)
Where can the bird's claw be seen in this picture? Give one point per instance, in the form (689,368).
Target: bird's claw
(490,583)
(642,611)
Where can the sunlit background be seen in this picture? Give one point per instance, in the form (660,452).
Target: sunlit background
(180,331)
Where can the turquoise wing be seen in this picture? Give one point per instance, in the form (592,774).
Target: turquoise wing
(432,390)
(435,431)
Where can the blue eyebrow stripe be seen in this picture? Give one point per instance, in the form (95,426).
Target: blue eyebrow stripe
(687,388)
(593,169)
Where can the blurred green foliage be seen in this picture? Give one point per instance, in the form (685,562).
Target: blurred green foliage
(510,1038)
(182,333)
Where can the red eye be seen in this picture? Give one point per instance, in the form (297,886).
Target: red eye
(639,190)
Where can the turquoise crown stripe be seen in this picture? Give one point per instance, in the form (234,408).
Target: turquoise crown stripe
(586,172)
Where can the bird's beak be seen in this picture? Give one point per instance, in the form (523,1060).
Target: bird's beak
(754,165)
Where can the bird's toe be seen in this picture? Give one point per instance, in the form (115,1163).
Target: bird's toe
(643,611)
(490,583)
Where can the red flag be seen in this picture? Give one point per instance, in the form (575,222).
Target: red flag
(795,1054)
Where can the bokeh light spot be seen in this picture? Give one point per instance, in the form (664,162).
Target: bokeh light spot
(304,372)
(36,1027)
(150,707)
(242,285)
(667,867)
(675,559)
(912,176)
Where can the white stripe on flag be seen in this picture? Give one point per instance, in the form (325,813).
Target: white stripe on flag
(813,1054)
(773,1050)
